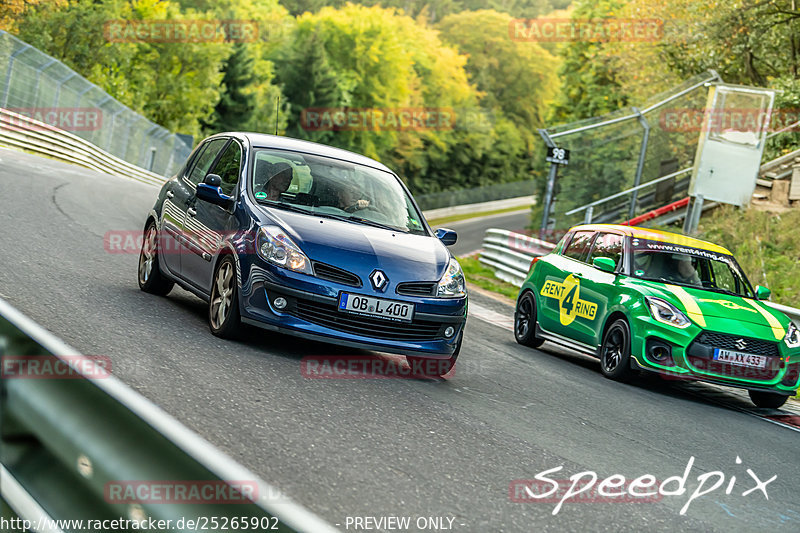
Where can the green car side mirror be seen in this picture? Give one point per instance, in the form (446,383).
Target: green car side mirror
(606,264)
(762,293)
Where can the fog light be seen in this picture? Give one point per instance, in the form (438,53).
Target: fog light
(279,302)
(660,353)
(449,332)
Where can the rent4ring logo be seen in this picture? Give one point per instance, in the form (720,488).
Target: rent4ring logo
(570,304)
(585,487)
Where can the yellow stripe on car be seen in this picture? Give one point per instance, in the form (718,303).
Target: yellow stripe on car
(777,329)
(689,303)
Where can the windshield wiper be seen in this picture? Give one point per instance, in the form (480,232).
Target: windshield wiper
(721,291)
(368,222)
(284,205)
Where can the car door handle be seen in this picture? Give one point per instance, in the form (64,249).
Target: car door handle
(170,194)
(192,212)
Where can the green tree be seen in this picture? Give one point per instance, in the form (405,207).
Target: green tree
(235,106)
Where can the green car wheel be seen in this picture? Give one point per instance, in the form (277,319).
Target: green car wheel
(615,353)
(525,322)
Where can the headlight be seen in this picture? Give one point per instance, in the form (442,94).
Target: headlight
(275,247)
(666,313)
(792,338)
(452,284)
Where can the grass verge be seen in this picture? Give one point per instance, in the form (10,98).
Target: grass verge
(464,216)
(484,277)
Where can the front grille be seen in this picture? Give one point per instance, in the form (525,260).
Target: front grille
(329,316)
(734,371)
(701,355)
(728,342)
(336,274)
(417,288)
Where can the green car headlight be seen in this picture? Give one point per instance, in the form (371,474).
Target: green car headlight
(452,284)
(792,338)
(275,247)
(666,313)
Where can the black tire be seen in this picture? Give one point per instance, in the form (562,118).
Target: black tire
(767,399)
(223,307)
(525,322)
(435,367)
(149,272)
(615,352)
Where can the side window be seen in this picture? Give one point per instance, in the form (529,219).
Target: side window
(184,173)
(205,159)
(579,246)
(609,245)
(228,167)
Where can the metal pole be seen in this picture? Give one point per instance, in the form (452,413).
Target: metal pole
(587,219)
(551,182)
(548,199)
(640,165)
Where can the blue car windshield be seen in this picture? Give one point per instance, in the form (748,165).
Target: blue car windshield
(333,188)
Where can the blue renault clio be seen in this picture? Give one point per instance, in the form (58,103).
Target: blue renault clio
(309,240)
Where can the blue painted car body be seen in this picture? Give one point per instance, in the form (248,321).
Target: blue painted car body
(203,233)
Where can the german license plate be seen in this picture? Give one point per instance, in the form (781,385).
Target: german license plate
(740,359)
(367,305)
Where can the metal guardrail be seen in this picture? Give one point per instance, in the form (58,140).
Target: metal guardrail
(21,132)
(510,255)
(67,442)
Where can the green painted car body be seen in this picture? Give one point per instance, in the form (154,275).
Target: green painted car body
(699,323)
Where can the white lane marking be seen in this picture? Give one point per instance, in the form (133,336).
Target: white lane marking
(492,317)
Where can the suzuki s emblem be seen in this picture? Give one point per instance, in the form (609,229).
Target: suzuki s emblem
(379,280)
(741,344)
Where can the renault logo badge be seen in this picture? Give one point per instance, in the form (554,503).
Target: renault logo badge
(379,280)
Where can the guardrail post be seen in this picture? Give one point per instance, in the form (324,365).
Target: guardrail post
(587,218)
(640,164)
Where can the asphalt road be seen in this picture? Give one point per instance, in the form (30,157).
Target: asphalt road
(472,231)
(378,447)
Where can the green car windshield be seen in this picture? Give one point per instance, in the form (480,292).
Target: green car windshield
(691,267)
(333,188)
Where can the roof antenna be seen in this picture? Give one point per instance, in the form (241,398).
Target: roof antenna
(277,112)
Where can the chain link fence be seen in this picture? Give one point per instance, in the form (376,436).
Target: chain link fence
(616,160)
(40,87)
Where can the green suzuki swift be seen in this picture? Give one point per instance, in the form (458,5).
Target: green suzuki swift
(640,299)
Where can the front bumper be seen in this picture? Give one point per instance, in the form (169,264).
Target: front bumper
(691,357)
(312,312)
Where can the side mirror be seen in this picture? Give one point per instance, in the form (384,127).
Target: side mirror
(606,264)
(213,179)
(762,293)
(447,236)
(213,194)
